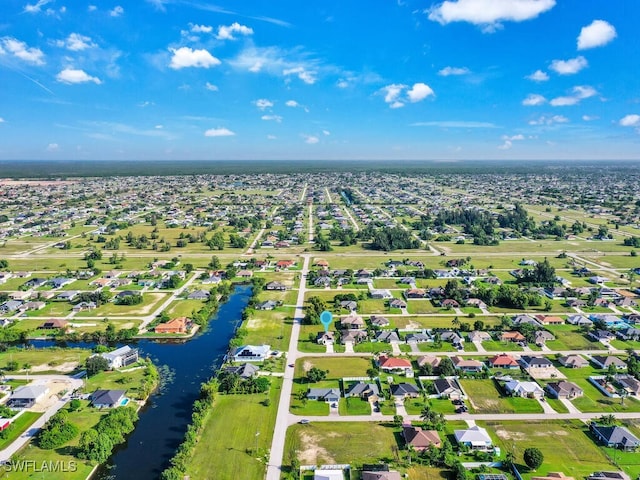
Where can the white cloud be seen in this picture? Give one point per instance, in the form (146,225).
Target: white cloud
(508,141)
(580,92)
(263,103)
(1,120)
(590,118)
(446,71)
(201,28)
(545,120)
(21,50)
(271,137)
(92,8)
(569,67)
(36,7)
(226,32)
(393,93)
(538,76)
(219,132)
(211,87)
(597,34)
(117,11)
(488,13)
(419,92)
(326,132)
(272,118)
(53,147)
(159,127)
(185,57)
(303,74)
(281,63)
(310,139)
(533,100)
(631,120)
(342,83)
(76,42)
(72,75)
(292,103)
(564,101)
(145,104)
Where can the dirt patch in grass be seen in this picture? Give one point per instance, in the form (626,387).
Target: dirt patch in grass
(311,453)
(511,435)
(63,367)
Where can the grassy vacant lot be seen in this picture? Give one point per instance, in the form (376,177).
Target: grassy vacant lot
(149,303)
(354,406)
(566,445)
(486,398)
(183,308)
(339,367)
(237,418)
(331,443)
(46,358)
(270,327)
(569,337)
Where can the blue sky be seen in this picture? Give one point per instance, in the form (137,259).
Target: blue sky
(359,79)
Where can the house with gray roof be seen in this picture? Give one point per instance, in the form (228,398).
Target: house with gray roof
(329,395)
(107,398)
(615,437)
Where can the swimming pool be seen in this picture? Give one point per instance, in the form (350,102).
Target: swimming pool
(124,401)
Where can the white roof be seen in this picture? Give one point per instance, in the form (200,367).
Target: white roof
(474,435)
(118,352)
(328,475)
(29,391)
(527,387)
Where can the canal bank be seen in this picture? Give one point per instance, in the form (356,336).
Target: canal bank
(164,420)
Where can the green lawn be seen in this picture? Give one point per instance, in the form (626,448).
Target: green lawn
(354,406)
(238,418)
(116,380)
(51,358)
(329,443)
(499,346)
(18,427)
(566,446)
(484,397)
(339,367)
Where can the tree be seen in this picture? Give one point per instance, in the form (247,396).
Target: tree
(533,458)
(316,374)
(96,364)
(446,367)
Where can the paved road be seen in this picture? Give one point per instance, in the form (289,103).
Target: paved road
(149,318)
(274,469)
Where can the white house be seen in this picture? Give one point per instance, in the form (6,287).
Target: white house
(121,357)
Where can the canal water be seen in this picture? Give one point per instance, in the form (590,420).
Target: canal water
(164,420)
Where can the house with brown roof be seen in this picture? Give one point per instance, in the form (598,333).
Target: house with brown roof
(563,389)
(420,439)
(393,364)
(352,321)
(549,320)
(244,273)
(512,337)
(428,360)
(467,365)
(53,324)
(176,325)
(284,264)
(573,361)
(503,361)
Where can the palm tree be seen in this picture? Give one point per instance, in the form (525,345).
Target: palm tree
(455,322)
